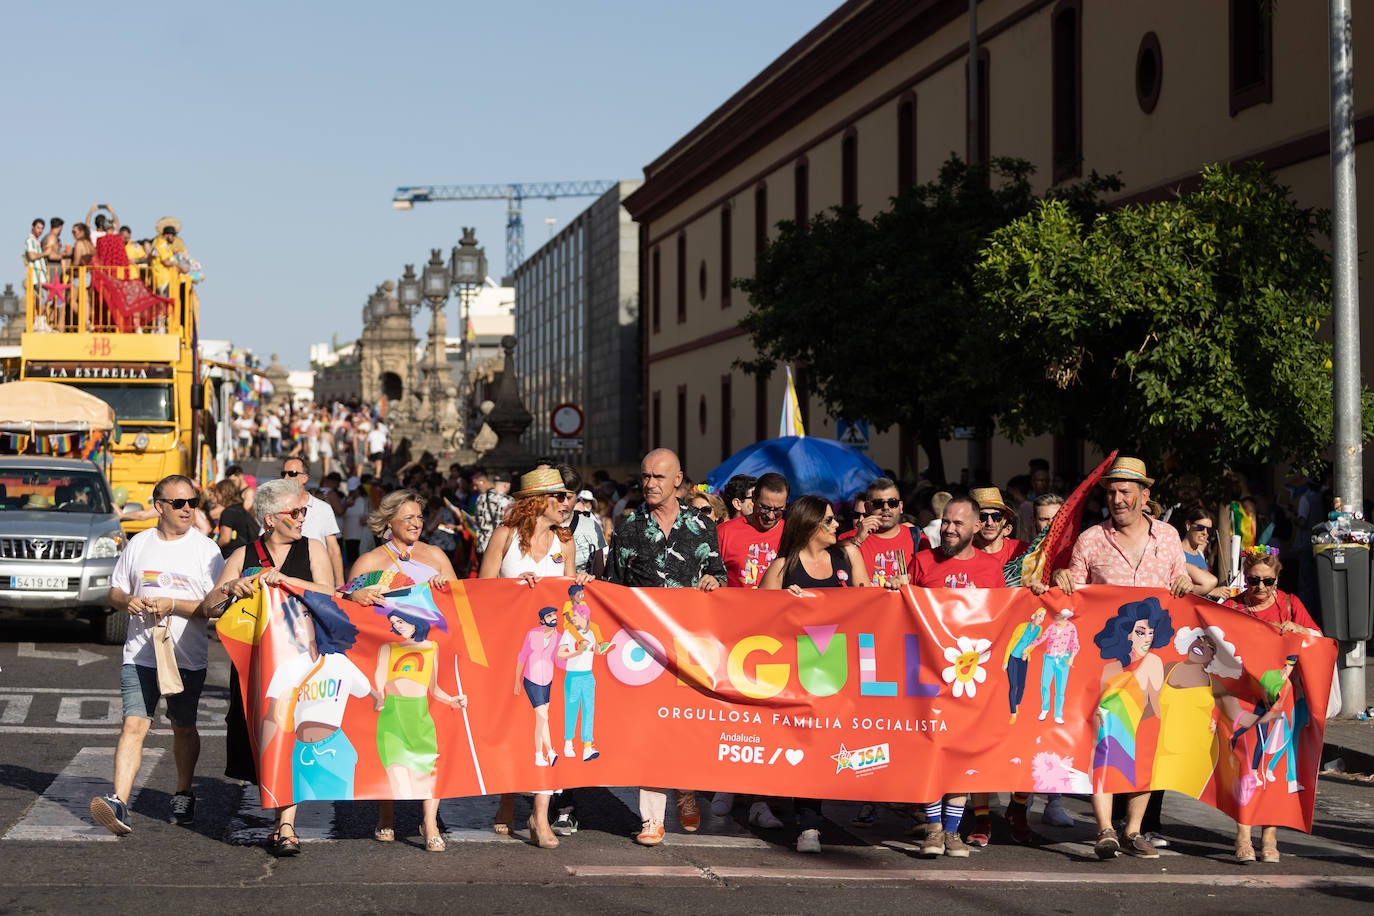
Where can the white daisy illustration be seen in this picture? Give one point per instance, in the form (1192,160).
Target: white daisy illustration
(965,671)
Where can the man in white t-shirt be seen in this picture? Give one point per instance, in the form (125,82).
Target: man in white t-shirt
(273,428)
(376,447)
(160,580)
(320,522)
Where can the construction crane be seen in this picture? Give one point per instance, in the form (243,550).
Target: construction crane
(512,194)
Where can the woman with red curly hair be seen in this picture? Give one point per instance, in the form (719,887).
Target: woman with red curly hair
(533,542)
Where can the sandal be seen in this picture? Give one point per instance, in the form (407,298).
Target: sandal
(383,834)
(1245,851)
(284,846)
(435,843)
(542,839)
(505,813)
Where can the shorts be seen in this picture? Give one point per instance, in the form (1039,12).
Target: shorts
(538,694)
(138,684)
(376,456)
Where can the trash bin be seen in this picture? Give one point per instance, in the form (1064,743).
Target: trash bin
(1343,580)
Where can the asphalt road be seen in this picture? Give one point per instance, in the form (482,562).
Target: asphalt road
(59,717)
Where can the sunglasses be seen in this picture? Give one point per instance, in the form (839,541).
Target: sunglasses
(561,497)
(180,503)
(991,516)
(1267,581)
(297,513)
(295,473)
(873,504)
(1206,528)
(769,510)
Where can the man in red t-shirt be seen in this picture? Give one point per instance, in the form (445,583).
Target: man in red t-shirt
(956,563)
(995,518)
(889,545)
(749,543)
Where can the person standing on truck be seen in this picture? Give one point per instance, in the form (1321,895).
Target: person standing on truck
(160,580)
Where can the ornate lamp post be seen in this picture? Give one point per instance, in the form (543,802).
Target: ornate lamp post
(436,282)
(468,268)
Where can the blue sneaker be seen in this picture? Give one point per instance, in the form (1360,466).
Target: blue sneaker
(111,813)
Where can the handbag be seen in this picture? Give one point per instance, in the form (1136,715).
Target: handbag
(168,677)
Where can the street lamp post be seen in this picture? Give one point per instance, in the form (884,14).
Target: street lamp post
(468,273)
(436,285)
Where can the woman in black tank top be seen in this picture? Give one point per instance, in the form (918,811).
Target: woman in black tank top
(810,557)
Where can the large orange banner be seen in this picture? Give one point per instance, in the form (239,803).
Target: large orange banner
(840,693)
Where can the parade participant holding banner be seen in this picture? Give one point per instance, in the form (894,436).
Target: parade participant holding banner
(397,523)
(280,555)
(1129,548)
(662,544)
(535,543)
(159,581)
(809,556)
(889,545)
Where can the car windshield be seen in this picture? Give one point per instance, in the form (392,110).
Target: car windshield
(135,405)
(41,490)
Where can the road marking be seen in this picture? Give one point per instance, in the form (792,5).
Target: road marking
(14,709)
(80,656)
(63,811)
(252,823)
(72,710)
(943,876)
(113,691)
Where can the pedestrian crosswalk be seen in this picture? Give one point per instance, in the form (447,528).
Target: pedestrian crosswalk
(63,811)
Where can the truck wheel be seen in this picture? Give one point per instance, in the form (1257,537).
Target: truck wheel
(110,627)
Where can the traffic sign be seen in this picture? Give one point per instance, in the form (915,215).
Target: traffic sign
(574,442)
(853,433)
(566,420)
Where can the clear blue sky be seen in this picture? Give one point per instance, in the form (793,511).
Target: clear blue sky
(277,132)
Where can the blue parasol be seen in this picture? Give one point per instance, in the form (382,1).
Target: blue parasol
(820,467)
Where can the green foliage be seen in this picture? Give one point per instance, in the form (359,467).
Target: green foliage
(1183,329)
(881,311)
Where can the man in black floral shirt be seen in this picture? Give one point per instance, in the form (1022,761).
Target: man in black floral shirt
(663,544)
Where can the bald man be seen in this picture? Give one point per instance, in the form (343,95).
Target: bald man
(662,544)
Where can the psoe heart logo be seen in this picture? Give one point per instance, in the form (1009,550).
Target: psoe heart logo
(862,760)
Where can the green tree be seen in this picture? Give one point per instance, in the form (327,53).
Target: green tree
(1185,330)
(882,311)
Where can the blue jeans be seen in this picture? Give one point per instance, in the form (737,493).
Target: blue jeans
(1054,678)
(1016,681)
(579,690)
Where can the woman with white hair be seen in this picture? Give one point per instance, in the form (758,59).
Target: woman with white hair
(1189,698)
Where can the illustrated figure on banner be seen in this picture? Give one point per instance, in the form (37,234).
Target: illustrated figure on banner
(407,677)
(1190,696)
(1131,681)
(578,647)
(1016,661)
(1061,648)
(307,696)
(534,674)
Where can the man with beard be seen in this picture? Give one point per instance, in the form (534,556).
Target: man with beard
(994,520)
(748,543)
(956,563)
(889,545)
(1129,548)
(664,544)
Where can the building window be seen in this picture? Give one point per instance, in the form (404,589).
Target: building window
(701,415)
(761,408)
(726,408)
(656,289)
(656,420)
(801,180)
(849,168)
(906,142)
(1067,91)
(726,268)
(981,152)
(682,425)
(681,278)
(760,222)
(1251,53)
(1149,72)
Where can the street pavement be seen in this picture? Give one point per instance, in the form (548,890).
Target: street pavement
(60,713)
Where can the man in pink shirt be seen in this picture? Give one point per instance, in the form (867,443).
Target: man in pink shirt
(1129,548)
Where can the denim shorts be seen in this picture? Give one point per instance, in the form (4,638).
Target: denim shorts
(139,686)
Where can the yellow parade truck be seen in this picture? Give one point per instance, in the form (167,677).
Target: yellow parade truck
(107,332)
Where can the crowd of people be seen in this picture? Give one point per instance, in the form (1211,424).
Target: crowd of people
(103,250)
(376,507)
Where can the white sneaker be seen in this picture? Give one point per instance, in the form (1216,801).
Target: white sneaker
(760,815)
(809,841)
(567,749)
(1044,714)
(1055,815)
(722,804)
